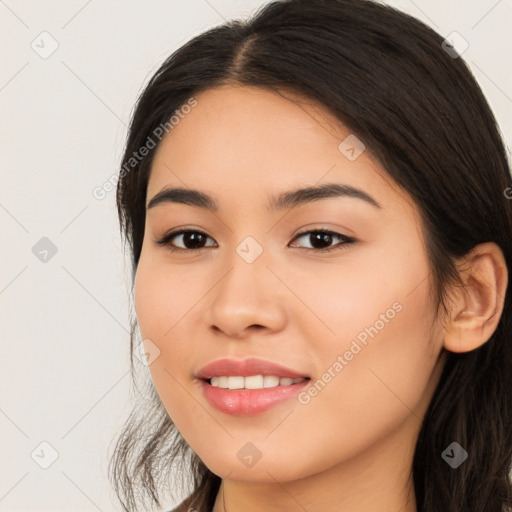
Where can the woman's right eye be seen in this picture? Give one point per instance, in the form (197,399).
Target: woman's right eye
(189,239)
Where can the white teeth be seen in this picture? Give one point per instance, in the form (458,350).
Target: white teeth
(236,382)
(252,381)
(270,381)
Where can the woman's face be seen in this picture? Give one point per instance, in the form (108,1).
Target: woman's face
(252,282)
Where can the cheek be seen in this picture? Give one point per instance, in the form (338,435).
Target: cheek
(360,289)
(164,295)
(375,387)
(165,298)
(389,355)
(377,365)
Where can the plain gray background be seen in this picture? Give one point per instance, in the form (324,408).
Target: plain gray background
(64,316)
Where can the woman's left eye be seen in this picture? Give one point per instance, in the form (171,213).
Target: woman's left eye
(325,238)
(320,240)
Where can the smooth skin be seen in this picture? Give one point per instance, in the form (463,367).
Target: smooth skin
(351,447)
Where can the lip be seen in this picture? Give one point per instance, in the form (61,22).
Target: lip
(248,402)
(252,366)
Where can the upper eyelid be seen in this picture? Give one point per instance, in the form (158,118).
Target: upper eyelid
(166,238)
(182,231)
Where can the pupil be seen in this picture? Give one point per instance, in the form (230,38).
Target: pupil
(319,236)
(192,239)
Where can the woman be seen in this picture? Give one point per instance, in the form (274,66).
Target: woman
(316,202)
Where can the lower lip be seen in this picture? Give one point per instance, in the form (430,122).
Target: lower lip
(248,402)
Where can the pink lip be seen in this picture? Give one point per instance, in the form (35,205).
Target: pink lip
(245,368)
(248,402)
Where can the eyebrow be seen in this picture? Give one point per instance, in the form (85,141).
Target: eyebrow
(284,200)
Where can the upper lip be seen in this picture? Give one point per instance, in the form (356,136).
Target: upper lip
(246,367)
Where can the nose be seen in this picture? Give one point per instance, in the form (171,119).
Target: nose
(247,299)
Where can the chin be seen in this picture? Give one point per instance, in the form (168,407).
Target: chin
(263,471)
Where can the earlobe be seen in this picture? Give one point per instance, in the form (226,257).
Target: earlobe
(476,310)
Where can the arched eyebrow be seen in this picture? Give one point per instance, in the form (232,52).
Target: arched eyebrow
(284,200)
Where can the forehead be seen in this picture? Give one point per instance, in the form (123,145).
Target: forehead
(240,140)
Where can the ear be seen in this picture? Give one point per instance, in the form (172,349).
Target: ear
(477,310)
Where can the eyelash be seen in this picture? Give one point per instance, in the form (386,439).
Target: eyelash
(346,240)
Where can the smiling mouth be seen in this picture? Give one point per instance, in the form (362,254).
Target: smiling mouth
(252,381)
(240,395)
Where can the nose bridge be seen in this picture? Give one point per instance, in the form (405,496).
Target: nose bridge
(245,296)
(246,277)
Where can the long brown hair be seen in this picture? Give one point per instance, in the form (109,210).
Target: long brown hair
(420,112)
